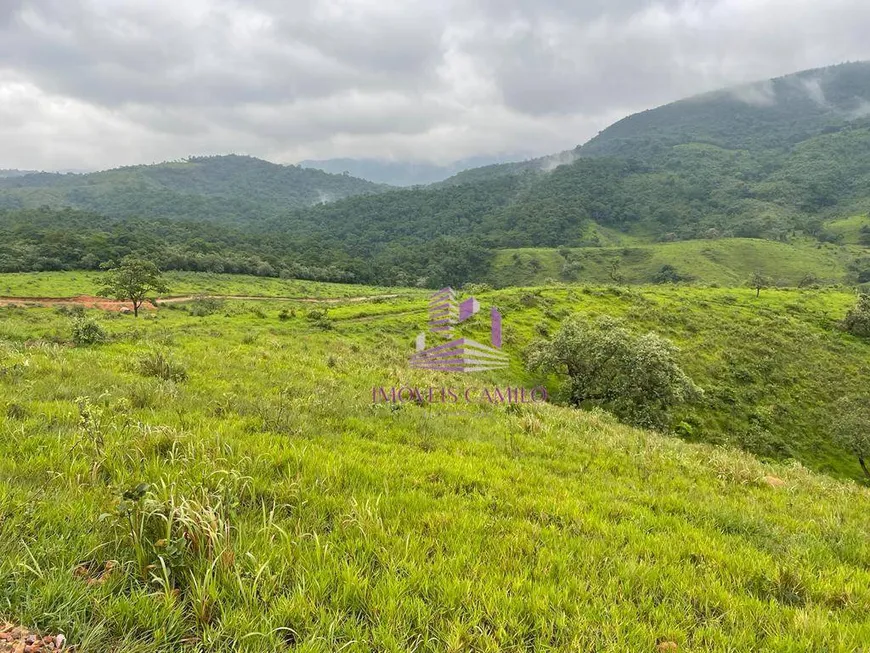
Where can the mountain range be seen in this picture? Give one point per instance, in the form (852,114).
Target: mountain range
(782,160)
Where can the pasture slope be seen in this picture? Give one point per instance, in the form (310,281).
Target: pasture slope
(216,476)
(725,262)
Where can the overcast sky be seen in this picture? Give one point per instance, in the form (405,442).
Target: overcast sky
(90,84)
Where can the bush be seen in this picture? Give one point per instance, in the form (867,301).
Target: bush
(159,365)
(476,288)
(857,320)
(668,274)
(319,318)
(88,332)
(203,306)
(636,377)
(809,280)
(76,310)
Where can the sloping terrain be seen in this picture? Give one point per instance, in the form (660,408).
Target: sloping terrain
(233,189)
(222,480)
(724,262)
(784,160)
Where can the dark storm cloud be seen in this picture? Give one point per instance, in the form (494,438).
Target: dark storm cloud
(120,81)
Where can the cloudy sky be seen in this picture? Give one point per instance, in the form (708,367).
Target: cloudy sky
(89,84)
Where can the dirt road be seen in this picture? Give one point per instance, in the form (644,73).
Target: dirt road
(89,301)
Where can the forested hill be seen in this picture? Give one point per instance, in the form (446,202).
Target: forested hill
(768,160)
(771,115)
(775,114)
(230,189)
(781,160)
(5,173)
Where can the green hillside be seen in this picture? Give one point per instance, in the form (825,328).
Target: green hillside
(774,114)
(216,477)
(783,348)
(784,161)
(725,262)
(220,188)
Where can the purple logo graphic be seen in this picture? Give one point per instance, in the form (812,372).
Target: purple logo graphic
(463,354)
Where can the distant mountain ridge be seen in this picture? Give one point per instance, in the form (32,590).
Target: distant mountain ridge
(8,174)
(403,173)
(229,188)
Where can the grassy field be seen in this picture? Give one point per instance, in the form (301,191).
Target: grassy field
(726,262)
(849,228)
(217,477)
(70,284)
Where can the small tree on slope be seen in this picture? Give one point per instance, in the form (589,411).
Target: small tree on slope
(852,427)
(759,282)
(857,320)
(133,280)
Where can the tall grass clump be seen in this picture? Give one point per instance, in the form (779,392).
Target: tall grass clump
(161,366)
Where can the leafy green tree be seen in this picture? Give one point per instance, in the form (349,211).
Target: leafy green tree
(857,320)
(759,282)
(864,235)
(669,274)
(133,280)
(636,377)
(852,427)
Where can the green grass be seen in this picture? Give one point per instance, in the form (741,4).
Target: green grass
(726,262)
(849,228)
(771,367)
(70,284)
(284,510)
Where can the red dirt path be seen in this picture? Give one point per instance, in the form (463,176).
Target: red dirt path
(82,300)
(89,301)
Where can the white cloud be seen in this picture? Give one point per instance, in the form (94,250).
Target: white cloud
(98,83)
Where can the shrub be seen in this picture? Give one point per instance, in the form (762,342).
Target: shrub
(203,306)
(476,288)
(88,332)
(857,320)
(809,280)
(159,365)
(529,300)
(636,377)
(319,318)
(76,310)
(668,274)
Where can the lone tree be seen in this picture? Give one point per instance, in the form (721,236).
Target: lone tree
(132,281)
(636,377)
(852,427)
(614,269)
(759,282)
(857,320)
